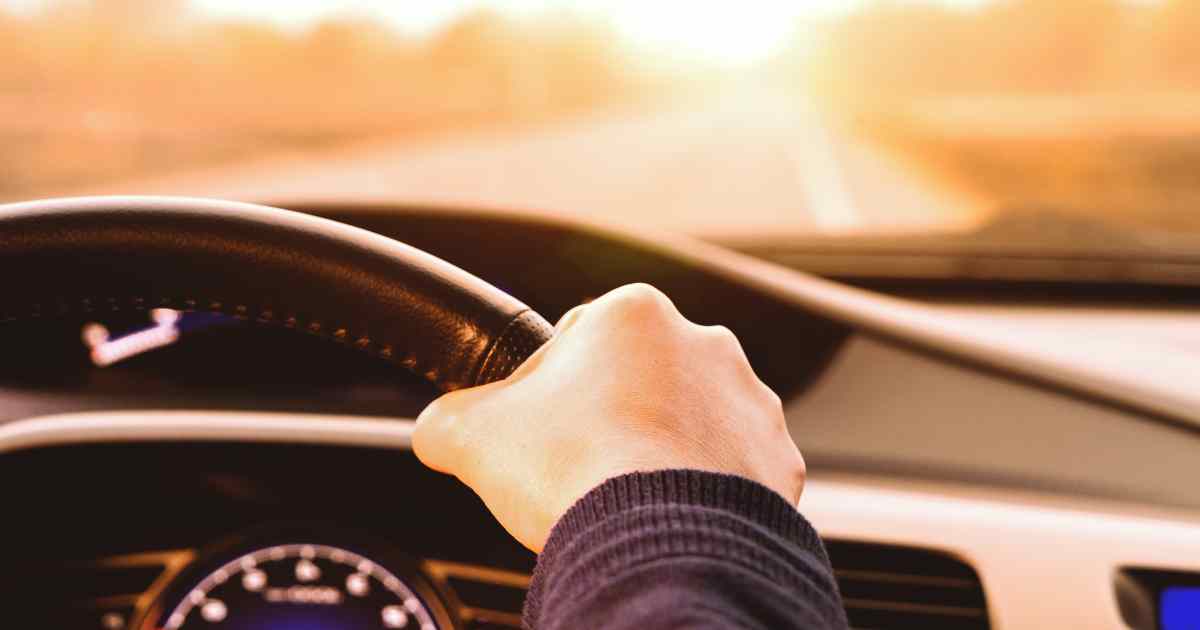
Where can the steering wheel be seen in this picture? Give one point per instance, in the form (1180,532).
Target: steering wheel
(267,265)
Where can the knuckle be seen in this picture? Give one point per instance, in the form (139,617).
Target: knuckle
(639,298)
(641,291)
(569,318)
(773,400)
(722,335)
(799,477)
(725,346)
(792,473)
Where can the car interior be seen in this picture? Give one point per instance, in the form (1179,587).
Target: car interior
(208,405)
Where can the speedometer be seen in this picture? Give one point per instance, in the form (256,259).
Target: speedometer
(300,586)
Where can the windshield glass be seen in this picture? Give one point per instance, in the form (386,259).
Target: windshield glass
(745,118)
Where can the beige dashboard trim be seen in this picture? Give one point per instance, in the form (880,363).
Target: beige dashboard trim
(207,426)
(920,325)
(1044,561)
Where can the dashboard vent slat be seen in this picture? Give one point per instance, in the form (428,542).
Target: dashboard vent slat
(90,594)
(485,598)
(84,582)
(886,586)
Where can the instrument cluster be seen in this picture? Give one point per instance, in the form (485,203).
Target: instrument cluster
(301,584)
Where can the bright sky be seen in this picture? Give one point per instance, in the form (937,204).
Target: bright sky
(730,32)
(722,31)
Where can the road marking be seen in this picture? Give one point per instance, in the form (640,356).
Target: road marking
(826,192)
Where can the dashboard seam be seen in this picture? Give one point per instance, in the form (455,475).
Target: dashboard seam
(262,315)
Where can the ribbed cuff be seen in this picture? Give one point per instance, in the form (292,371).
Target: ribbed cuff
(643,517)
(738,495)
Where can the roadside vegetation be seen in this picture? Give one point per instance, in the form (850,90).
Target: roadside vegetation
(1080,104)
(1085,105)
(103,90)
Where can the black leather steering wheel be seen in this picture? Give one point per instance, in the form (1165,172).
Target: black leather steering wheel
(272,266)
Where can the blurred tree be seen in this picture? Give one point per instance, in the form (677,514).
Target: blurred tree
(1177,44)
(95,89)
(1047,45)
(890,53)
(15,69)
(136,15)
(476,60)
(578,62)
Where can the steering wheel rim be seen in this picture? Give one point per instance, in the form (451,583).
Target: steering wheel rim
(267,265)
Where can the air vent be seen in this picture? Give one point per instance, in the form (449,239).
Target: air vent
(95,595)
(885,587)
(485,598)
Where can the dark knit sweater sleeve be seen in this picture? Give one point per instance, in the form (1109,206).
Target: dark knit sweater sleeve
(683,549)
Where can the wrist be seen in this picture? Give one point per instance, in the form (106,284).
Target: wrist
(721,491)
(638,519)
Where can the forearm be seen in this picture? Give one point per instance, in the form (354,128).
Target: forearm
(683,549)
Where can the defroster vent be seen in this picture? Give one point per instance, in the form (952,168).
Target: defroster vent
(886,587)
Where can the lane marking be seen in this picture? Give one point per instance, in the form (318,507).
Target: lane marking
(827,194)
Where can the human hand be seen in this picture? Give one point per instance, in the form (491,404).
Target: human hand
(627,384)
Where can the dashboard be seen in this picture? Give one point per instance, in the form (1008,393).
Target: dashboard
(157,531)
(242,472)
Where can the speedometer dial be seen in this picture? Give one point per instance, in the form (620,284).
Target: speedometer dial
(301,586)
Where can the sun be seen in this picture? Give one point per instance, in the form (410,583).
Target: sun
(721,32)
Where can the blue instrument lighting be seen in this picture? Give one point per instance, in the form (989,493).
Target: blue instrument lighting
(1179,608)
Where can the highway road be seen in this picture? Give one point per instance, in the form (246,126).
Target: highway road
(732,167)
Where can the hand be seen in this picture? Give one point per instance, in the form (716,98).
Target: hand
(627,384)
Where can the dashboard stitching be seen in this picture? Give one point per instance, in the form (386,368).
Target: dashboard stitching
(264,316)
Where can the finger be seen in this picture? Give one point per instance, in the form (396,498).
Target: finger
(727,347)
(440,436)
(635,295)
(569,318)
(720,335)
(529,365)
(637,306)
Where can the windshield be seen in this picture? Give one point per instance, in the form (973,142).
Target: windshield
(745,118)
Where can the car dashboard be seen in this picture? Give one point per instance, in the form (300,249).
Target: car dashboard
(245,462)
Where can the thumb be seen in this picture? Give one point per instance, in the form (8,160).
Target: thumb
(445,432)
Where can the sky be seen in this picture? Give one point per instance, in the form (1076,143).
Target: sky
(422,15)
(722,31)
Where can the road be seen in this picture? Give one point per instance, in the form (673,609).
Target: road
(737,167)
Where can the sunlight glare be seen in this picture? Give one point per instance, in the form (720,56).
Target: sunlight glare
(727,33)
